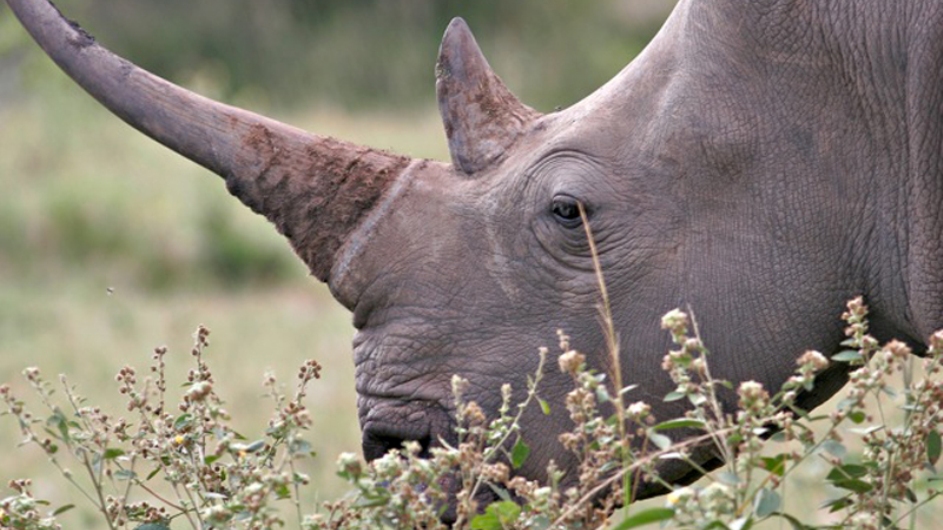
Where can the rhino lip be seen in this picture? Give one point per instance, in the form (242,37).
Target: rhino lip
(389,423)
(379,438)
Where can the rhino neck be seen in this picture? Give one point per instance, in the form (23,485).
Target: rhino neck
(817,134)
(921,222)
(887,59)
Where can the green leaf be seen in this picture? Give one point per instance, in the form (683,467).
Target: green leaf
(153,526)
(300,447)
(835,448)
(867,430)
(775,464)
(500,492)
(680,423)
(519,453)
(857,416)
(58,420)
(838,504)
(498,516)
(848,356)
(934,447)
(765,503)
(778,436)
(847,477)
(539,522)
(282,491)
(152,474)
(486,521)
(846,471)
(729,478)
(855,485)
(124,474)
(910,495)
(660,440)
(255,446)
(371,502)
(795,523)
(674,396)
(183,421)
(644,517)
(112,452)
(544,406)
(602,394)
(62,509)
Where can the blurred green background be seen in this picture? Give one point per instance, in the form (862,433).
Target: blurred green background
(111,245)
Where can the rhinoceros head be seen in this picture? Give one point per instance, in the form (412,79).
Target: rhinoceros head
(742,166)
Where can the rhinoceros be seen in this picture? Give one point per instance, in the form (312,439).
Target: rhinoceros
(761,161)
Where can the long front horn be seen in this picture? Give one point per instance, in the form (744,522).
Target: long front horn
(315,189)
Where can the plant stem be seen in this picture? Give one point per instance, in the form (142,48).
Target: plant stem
(612,345)
(102,505)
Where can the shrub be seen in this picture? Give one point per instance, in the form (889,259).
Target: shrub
(216,479)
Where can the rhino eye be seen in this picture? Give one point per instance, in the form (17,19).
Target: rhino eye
(566,211)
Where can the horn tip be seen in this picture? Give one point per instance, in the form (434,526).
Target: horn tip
(456,33)
(457,24)
(458,48)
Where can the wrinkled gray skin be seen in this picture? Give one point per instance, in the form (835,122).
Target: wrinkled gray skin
(761,162)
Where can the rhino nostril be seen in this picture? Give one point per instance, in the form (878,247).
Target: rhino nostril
(424,444)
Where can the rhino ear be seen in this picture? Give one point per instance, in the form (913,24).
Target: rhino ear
(481,116)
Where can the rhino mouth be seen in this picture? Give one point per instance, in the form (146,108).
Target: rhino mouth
(380,438)
(389,423)
(432,426)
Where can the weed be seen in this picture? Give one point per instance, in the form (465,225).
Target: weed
(213,478)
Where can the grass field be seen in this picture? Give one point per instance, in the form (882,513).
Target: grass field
(111,245)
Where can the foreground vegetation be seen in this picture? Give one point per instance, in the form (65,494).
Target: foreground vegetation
(182,462)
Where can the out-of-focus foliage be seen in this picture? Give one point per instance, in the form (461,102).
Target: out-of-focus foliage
(81,193)
(367,53)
